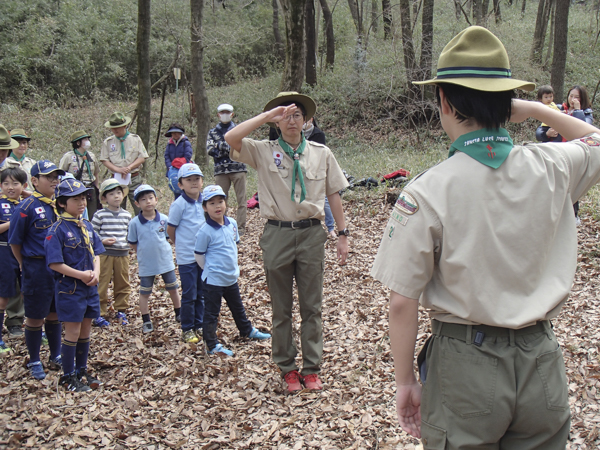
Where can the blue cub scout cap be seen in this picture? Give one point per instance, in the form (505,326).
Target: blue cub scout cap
(189,169)
(212,191)
(45,167)
(70,187)
(141,190)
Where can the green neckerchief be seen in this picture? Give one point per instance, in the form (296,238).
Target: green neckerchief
(15,157)
(87,163)
(84,231)
(123,144)
(295,155)
(489,147)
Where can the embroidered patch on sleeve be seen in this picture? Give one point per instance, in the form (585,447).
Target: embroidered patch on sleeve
(407,204)
(592,142)
(399,217)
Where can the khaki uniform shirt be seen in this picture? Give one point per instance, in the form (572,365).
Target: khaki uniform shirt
(134,149)
(70,162)
(322,176)
(490,246)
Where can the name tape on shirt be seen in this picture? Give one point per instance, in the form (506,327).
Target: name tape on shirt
(407,204)
(398,217)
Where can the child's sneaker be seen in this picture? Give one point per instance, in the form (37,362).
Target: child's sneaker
(55,364)
(220,349)
(178,318)
(255,334)
(147,327)
(100,322)
(122,318)
(311,381)
(292,379)
(91,381)
(44,338)
(189,337)
(198,333)
(36,370)
(4,348)
(73,384)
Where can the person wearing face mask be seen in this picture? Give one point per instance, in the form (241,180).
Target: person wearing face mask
(81,162)
(228,172)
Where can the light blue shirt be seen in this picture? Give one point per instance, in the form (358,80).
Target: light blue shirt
(219,245)
(186,216)
(154,253)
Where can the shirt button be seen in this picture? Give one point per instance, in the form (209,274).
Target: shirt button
(299,212)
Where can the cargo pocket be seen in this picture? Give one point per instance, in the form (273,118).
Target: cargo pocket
(551,368)
(468,383)
(67,286)
(432,438)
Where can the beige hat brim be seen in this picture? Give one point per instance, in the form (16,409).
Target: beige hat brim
(308,103)
(482,84)
(13,144)
(127,122)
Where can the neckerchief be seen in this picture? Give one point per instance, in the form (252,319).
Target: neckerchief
(46,200)
(295,155)
(15,157)
(489,147)
(87,163)
(84,230)
(122,139)
(14,201)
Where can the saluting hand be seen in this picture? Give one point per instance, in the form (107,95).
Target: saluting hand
(277,114)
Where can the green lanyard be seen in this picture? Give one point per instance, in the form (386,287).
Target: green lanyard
(489,147)
(295,155)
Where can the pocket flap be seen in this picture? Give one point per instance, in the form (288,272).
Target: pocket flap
(433,438)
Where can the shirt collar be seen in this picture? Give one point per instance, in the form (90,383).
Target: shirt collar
(190,199)
(215,225)
(143,220)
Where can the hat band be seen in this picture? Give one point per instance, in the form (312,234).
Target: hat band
(473,72)
(5,142)
(120,122)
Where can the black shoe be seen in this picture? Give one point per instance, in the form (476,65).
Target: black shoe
(73,384)
(91,381)
(56,363)
(15,331)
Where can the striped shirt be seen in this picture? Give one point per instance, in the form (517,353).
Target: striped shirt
(113,224)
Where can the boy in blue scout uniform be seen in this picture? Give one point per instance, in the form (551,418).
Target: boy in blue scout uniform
(13,182)
(29,226)
(72,249)
(216,254)
(148,237)
(185,218)
(493,371)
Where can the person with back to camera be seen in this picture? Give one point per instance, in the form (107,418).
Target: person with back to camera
(179,151)
(228,171)
(493,373)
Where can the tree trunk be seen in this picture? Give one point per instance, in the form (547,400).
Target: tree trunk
(539,34)
(355,11)
(523,7)
(388,20)
(293,70)
(477,12)
(329,40)
(485,6)
(198,87)
(311,44)
(407,45)
(279,49)
(143,71)
(427,39)
(550,35)
(374,21)
(497,13)
(557,77)
(457,9)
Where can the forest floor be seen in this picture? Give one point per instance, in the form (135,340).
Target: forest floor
(160,393)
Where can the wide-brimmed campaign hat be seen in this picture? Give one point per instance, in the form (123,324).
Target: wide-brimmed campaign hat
(284,97)
(79,134)
(6,142)
(476,59)
(117,119)
(19,133)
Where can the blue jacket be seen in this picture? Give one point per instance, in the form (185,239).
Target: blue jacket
(181,150)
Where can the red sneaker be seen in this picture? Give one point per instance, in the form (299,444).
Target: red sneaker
(292,380)
(311,381)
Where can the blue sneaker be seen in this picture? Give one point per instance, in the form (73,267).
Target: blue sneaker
(255,334)
(36,370)
(122,318)
(55,363)
(3,347)
(44,338)
(220,349)
(100,322)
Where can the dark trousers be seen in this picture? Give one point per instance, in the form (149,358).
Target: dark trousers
(192,302)
(212,308)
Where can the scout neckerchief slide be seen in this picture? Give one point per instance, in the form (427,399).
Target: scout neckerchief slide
(489,147)
(295,155)
(84,230)
(46,200)
(122,139)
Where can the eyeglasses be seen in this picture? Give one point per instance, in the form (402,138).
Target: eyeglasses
(51,177)
(297,117)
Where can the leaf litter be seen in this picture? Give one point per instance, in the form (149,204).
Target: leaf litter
(160,393)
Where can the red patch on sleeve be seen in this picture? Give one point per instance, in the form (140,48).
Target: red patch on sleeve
(48,238)
(23,215)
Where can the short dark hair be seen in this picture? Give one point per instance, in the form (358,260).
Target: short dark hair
(59,202)
(543,90)
(15,173)
(76,144)
(143,194)
(488,109)
(110,190)
(584,99)
(298,104)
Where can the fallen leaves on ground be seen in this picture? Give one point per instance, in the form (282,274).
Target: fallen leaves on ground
(160,393)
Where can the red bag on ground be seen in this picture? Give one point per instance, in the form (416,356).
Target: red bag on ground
(253,202)
(396,174)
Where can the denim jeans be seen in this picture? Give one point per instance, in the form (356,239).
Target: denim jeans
(192,301)
(328,216)
(212,298)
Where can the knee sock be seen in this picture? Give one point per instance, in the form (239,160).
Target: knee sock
(68,356)
(145,318)
(83,350)
(33,340)
(54,335)
(177,311)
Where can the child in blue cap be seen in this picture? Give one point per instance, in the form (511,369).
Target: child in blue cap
(72,248)
(216,254)
(29,225)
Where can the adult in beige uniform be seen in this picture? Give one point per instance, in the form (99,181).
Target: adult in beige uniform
(124,153)
(294,175)
(459,240)
(18,156)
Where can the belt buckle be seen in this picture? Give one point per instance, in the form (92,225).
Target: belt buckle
(292,226)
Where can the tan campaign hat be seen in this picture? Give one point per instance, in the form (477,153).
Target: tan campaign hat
(6,142)
(117,119)
(284,97)
(79,134)
(19,133)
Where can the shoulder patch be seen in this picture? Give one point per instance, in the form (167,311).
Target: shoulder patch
(591,141)
(406,203)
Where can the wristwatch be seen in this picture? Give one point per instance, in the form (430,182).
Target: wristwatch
(344,232)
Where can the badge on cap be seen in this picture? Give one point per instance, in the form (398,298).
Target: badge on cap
(48,164)
(407,204)
(76,184)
